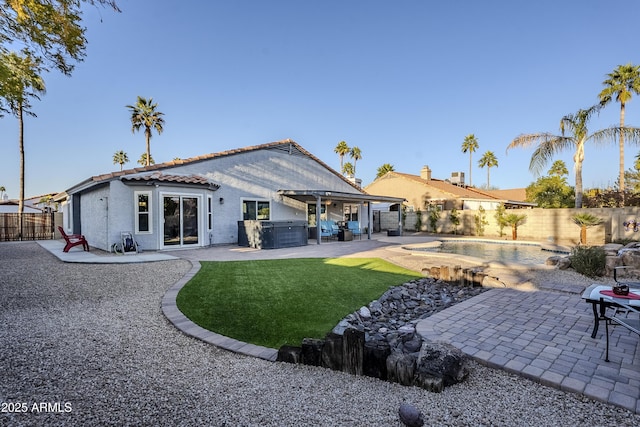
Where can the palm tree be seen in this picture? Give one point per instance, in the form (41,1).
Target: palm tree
(348,169)
(2,191)
(514,220)
(342,149)
(489,160)
(145,160)
(120,157)
(623,82)
(558,168)
(20,80)
(382,170)
(356,155)
(144,114)
(584,221)
(574,133)
(470,144)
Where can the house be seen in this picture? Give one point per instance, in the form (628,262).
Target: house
(205,200)
(11,206)
(35,204)
(422,190)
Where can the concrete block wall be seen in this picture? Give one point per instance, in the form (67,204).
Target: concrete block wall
(540,224)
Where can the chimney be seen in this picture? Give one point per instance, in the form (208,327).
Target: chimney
(425,173)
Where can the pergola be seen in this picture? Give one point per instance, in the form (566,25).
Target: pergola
(320,196)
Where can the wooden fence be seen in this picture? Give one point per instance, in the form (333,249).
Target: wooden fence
(35,226)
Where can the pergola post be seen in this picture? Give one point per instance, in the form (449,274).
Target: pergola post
(318,230)
(370,218)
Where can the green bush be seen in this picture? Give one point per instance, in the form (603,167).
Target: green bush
(588,260)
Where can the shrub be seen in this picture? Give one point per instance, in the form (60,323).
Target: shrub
(588,260)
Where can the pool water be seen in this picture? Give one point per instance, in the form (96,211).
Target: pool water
(488,251)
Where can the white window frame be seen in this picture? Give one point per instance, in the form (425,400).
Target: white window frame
(148,213)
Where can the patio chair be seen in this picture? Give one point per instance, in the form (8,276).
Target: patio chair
(621,318)
(354,226)
(73,240)
(325,231)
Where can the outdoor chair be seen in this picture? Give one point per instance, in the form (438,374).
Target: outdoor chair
(623,315)
(73,240)
(354,227)
(325,231)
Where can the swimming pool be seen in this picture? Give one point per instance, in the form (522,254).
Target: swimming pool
(521,253)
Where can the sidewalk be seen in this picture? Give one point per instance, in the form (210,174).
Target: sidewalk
(541,334)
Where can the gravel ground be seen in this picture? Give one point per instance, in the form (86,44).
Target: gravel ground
(90,342)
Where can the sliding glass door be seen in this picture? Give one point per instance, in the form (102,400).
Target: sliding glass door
(181,220)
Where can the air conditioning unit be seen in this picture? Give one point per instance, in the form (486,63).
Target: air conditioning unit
(457,178)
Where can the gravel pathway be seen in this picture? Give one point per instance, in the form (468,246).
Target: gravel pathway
(87,344)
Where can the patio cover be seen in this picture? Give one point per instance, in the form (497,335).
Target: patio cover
(308,196)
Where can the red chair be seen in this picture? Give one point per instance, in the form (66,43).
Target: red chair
(73,240)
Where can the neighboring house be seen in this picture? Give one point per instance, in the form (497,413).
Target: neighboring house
(422,190)
(36,204)
(11,206)
(199,201)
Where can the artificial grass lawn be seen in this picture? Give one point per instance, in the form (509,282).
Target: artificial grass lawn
(277,302)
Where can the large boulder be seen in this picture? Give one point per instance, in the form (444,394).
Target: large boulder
(440,365)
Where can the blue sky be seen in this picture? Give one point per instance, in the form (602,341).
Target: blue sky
(405,81)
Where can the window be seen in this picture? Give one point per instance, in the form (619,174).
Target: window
(143,212)
(255,209)
(209,212)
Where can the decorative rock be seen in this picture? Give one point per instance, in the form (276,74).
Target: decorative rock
(353,351)
(401,368)
(410,415)
(440,361)
(365,313)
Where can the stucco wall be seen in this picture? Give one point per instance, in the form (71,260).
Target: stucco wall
(540,224)
(248,175)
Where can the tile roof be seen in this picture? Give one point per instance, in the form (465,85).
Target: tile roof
(170,178)
(287,145)
(447,187)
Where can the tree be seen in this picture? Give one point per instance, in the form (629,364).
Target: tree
(145,160)
(342,149)
(2,191)
(488,160)
(584,221)
(501,212)
(49,31)
(514,220)
(558,168)
(144,114)
(454,217)
(120,157)
(552,191)
(573,134)
(622,83)
(19,81)
(382,170)
(348,169)
(470,144)
(356,155)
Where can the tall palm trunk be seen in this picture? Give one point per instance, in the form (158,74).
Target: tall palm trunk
(21,145)
(578,158)
(147,133)
(621,177)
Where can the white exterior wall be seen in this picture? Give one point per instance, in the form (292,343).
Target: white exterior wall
(258,175)
(248,175)
(93,217)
